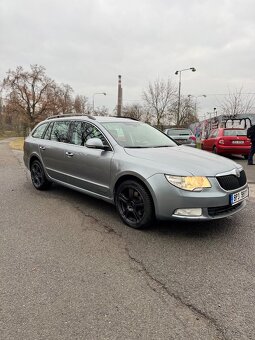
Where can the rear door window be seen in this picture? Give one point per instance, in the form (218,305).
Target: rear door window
(77,133)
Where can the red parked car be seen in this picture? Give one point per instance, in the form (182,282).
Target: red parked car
(225,141)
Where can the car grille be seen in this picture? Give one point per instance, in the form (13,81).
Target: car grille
(216,211)
(232,182)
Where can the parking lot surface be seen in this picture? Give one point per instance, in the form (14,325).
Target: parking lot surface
(70,269)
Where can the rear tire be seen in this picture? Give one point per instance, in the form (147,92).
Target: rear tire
(214,150)
(134,204)
(39,180)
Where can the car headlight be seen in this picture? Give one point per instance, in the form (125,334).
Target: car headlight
(190,183)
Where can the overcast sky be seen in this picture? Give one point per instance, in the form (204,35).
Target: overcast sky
(87,43)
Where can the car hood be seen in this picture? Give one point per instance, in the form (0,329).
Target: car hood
(183,160)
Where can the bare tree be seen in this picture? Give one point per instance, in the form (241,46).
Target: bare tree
(133,111)
(63,97)
(187,114)
(81,104)
(101,111)
(28,92)
(159,97)
(237,103)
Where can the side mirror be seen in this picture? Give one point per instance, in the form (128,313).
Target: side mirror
(96,143)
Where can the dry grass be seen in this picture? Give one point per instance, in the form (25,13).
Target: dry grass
(17,144)
(7,134)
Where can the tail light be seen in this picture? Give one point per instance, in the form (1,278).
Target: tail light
(192,138)
(221,141)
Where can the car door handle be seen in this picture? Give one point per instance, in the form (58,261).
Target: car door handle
(42,147)
(69,154)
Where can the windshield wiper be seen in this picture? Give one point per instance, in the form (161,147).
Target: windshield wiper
(163,146)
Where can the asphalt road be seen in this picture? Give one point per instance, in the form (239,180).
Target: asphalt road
(71,270)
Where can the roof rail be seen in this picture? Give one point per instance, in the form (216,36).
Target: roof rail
(124,117)
(63,115)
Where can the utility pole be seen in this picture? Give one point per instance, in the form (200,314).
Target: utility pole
(119,103)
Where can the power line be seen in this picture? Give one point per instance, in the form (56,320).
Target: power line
(226,94)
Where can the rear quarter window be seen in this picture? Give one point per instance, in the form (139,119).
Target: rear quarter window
(39,131)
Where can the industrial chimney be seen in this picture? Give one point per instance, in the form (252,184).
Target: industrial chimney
(119,103)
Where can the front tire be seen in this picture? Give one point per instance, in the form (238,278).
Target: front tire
(38,177)
(134,204)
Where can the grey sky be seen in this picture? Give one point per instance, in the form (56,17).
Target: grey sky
(88,43)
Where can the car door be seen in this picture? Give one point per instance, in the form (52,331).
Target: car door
(89,169)
(54,148)
(210,141)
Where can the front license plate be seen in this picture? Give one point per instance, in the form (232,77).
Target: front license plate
(239,196)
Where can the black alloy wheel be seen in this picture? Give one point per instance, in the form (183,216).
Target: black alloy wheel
(38,177)
(134,204)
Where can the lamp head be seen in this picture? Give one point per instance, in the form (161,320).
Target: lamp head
(193,69)
(176,72)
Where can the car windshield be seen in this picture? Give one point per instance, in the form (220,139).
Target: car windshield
(236,132)
(178,132)
(137,135)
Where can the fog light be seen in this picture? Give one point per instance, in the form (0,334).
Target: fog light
(188,212)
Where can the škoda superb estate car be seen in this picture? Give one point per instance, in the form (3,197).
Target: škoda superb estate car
(134,166)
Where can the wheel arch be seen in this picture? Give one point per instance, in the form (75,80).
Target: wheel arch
(33,158)
(133,177)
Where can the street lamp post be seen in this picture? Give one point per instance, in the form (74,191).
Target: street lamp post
(93,100)
(201,95)
(179,90)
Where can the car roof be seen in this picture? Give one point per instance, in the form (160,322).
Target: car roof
(100,119)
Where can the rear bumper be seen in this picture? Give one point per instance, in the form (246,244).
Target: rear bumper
(236,150)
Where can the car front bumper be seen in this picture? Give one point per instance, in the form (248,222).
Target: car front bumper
(214,201)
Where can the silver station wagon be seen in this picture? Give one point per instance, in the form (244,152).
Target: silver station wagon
(134,166)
